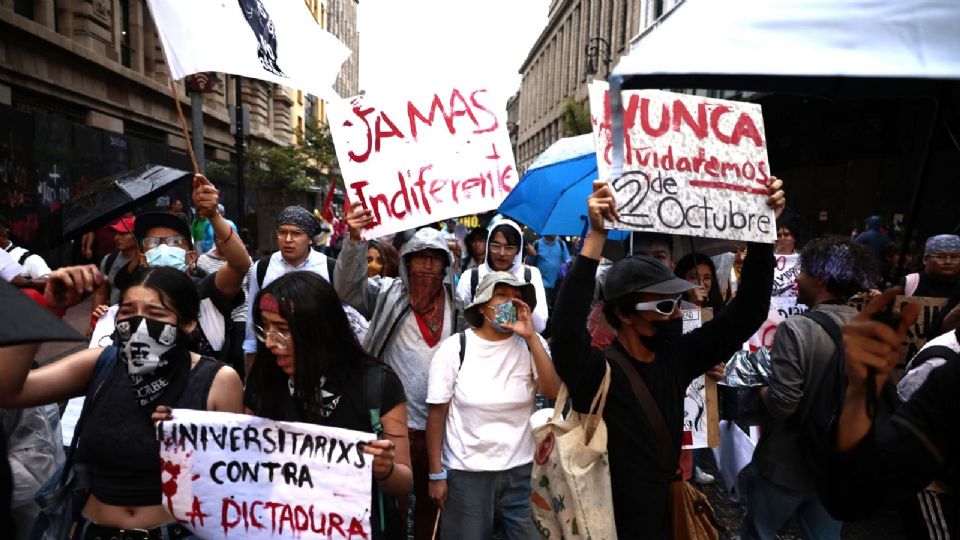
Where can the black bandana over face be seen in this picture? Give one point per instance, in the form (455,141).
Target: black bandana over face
(156,357)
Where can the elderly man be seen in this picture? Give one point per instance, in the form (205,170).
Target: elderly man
(409,317)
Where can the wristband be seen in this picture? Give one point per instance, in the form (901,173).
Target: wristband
(225,240)
(442,475)
(384,477)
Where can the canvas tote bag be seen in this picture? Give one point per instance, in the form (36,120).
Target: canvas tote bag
(570,495)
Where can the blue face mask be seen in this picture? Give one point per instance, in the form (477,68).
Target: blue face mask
(503,313)
(164,255)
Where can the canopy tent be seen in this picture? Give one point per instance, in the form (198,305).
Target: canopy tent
(832,48)
(796,45)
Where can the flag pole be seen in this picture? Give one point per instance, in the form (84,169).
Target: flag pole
(183,126)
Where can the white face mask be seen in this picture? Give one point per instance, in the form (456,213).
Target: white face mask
(144,342)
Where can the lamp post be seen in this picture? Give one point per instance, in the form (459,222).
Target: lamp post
(597,50)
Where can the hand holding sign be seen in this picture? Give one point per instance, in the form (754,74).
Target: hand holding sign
(205,196)
(776,198)
(601,206)
(358,219)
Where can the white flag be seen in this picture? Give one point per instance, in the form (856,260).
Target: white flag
(272,40)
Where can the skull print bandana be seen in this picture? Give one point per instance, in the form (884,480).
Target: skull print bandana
(156,358)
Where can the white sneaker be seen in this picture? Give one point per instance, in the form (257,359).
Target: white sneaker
(701,477)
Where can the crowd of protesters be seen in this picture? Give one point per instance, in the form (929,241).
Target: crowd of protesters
(453,336)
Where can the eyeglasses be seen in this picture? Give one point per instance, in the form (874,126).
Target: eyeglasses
(262,335)
(501,248)
(663,307)
(945,257)
(151,242)
(291,234)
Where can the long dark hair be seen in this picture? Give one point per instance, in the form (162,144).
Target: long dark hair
(324,343)
(391,259)
(177,291)
(691,260)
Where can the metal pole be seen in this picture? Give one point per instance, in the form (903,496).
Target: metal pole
(196,111)
(241,200)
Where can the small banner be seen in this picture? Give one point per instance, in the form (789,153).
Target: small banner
(232,475)
(701,414)
(416,160)
(693,165)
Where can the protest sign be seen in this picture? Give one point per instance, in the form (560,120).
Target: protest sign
(271,40)
(415,160)
(692,165)
(781,307)
(916,337)
(785,275)
(701,417)
(232,475)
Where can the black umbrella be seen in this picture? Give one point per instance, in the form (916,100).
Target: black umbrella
(25,321)
(110,198)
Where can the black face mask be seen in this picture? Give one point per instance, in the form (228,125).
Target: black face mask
(665,333)
(155,356)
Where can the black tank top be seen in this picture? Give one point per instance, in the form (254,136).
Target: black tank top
(119,443)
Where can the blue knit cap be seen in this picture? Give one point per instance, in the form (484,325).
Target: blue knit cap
(942,242)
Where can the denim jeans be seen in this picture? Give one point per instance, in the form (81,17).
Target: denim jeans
(474,499)
(770,506)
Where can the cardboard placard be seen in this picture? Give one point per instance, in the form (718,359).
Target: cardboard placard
(930,309)
(701,415)
(416,160)
(232,475)
(693,165)
(780,308)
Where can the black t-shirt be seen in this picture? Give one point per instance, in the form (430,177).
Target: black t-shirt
(639,483)
(345,405)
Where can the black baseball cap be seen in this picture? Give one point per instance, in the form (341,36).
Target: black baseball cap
(151,220)
(642,274)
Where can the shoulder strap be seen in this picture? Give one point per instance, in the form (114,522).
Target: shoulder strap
(650,409)
(474,281)
(374,380)
(463,346)
(828,324)
(105,363)
(111,260)
(262,270)
(934,351)
(26,253)
(331,264)
(527,274)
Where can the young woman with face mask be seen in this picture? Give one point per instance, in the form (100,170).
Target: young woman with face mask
(152,370)
(481,392)
(311,368)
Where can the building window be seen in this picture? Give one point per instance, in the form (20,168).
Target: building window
(23,8)
(125,32)
(624,23)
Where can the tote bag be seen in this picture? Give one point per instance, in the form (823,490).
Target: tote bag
(570,492)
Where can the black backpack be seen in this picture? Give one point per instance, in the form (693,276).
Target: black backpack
(816,441)
(936,351)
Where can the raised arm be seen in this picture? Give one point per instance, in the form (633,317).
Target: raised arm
(229,278)
(350,274)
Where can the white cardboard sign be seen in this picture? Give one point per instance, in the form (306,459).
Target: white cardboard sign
(785,275)
(230,475)
(416,160)
(781,307)
(693,165)
(700,405)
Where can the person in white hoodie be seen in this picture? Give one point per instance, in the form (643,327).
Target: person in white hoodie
(505,254)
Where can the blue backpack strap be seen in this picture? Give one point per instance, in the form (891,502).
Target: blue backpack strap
(527,274)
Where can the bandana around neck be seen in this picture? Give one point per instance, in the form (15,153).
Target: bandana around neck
(427,302)
(156,358)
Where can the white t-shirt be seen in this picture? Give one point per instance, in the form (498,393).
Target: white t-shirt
(9,269)
(34,266)
(409,356)
(491,399)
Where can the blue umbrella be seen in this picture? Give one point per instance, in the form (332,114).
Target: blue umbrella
(551,196)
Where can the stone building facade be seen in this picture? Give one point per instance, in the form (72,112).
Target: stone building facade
(556,66)
(84,93)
